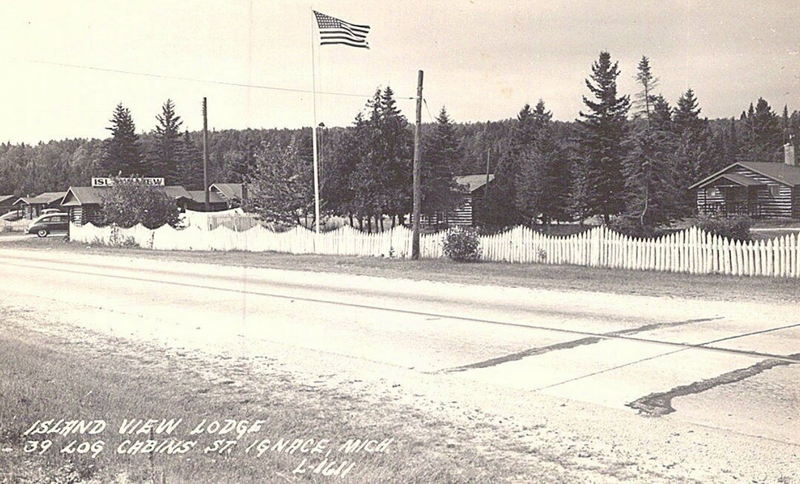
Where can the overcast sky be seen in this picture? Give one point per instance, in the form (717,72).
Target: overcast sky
(483,59)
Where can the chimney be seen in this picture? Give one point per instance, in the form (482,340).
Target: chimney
(789,156)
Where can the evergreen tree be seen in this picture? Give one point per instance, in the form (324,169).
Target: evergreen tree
(165,151)
(439,190)
(544,185)
(766,136)
(397,153)
(190,164)
(504,202)
(687,113)
(661,117)
(381,182)
(696,153)
(122,154)
(601,132)
(650,177)
(643,100)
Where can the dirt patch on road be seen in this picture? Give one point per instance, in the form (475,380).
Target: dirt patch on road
(573,344)
(658,404)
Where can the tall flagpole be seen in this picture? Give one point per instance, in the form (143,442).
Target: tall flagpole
(314,126)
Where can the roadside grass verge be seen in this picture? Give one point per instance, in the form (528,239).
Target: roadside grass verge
(43,376)
(536,276)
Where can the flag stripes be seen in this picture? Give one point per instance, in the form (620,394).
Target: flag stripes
(333,31)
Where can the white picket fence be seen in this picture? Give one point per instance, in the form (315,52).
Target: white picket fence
(691,251)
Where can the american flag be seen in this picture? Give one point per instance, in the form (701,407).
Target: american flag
(334,31)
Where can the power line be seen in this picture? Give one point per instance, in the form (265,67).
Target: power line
(207,81)
(425,101)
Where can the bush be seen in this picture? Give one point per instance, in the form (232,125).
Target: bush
(462,244)
(126,205)
(736,227)
(632,227)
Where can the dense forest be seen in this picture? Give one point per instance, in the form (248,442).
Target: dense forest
(632,154)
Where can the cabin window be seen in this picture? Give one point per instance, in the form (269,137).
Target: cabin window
(774,191)
(712,192)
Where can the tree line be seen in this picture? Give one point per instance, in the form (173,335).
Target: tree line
(630,156)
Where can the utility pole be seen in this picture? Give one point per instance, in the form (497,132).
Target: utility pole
(205,151)
(416,171)
(486,187)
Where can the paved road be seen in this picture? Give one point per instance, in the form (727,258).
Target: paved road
(707,390)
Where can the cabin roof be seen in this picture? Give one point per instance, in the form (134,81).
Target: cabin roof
(77,196)
(231,191)
(738,179)
(199,196)
(779,172)
(45,198)
(473,182)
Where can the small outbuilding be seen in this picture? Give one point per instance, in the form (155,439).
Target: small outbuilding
(32,207)
(756,189)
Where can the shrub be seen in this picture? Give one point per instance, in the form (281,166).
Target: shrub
(462,244)
(632,227)
(126,205)
(736,227)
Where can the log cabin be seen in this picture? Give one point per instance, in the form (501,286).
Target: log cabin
(469,210)
(32,207)
(756,189)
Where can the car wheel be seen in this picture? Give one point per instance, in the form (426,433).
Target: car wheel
(42,233)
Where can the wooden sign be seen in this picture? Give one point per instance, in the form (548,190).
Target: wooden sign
(107,182)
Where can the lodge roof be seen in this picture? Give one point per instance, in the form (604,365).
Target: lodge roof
(779,172)
(45,198)
(77,196)
(473,182)
(5,198)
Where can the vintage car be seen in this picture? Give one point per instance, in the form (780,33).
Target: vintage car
(49,223)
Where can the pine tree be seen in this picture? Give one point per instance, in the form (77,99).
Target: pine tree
(122,154)
(644,98)
(687,113)
(439,190)
(696,153)
(766,141)
(381,182)
(396,154)
(165,152)
(190,164)
(650,178)
(543,179)
(661,117)
(601,132)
